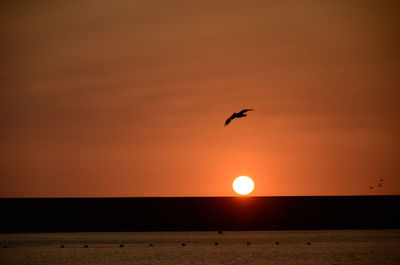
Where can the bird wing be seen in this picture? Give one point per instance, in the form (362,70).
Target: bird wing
(244,111)
(230,119)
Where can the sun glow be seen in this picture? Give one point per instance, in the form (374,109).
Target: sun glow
(243,185)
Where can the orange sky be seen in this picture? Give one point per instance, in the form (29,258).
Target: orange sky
(129,98)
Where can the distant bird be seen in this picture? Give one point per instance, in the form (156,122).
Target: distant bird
(237,115)
(380,183)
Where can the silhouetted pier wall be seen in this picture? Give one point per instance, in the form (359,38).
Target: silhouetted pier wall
(198,213)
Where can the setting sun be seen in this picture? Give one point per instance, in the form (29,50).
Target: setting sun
(243,185)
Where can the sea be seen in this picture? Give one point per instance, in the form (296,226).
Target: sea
(375,247)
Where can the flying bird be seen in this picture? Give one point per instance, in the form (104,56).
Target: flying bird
(237,115)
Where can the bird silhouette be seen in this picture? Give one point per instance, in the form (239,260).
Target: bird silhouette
(237,115)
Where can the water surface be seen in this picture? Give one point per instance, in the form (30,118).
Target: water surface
(255,247)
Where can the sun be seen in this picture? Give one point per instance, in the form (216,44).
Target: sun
(243,185)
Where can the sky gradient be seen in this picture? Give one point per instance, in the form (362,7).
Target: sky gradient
(129,98)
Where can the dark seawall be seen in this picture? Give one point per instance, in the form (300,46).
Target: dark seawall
(199,213)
